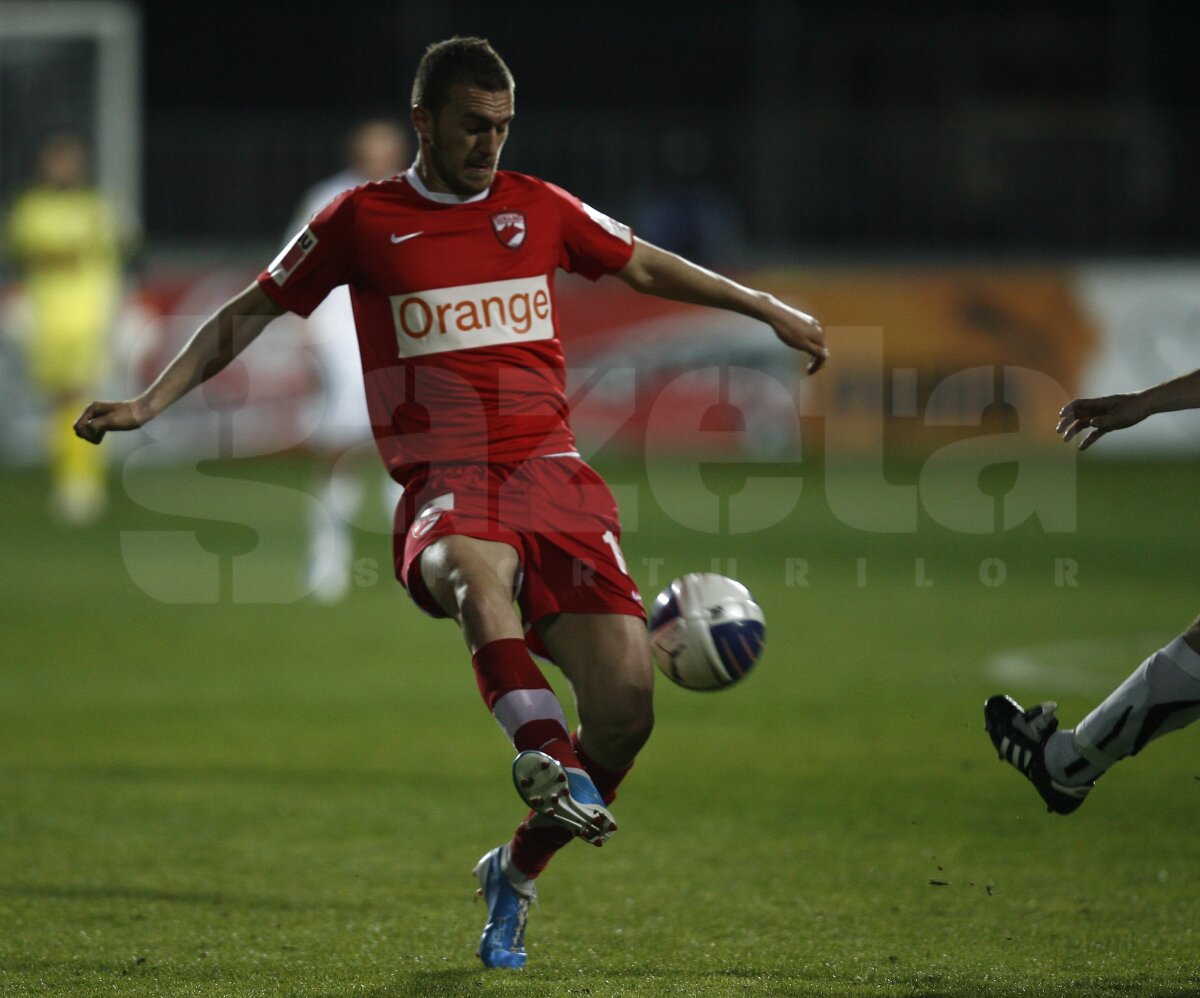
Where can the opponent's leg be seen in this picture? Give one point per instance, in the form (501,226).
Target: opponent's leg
(1160,696)
(606,658)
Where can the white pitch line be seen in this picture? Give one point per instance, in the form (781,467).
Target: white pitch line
(1082,665)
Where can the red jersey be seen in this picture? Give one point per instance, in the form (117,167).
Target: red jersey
(455,311)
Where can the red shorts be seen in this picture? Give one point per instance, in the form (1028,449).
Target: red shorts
(556,512)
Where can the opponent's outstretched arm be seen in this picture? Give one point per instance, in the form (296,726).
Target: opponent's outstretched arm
(654,271)
(1116,412)
(225,334)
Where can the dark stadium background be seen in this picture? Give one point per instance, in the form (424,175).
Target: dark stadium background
(1017,128)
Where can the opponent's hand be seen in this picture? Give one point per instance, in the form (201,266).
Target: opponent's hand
(100,417)
(801,331)
(1100,416)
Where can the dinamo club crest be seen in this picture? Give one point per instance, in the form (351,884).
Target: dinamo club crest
(509,227)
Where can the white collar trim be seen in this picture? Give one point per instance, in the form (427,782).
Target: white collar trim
(419,186)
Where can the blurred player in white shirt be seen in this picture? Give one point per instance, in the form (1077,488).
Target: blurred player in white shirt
(341,439)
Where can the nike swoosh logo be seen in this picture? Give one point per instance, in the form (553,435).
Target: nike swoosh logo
(400,239)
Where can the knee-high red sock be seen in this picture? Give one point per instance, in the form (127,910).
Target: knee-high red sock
(521,700)
(534,843)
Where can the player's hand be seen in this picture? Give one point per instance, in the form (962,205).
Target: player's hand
(100,417)
(801,331)
(1100,416)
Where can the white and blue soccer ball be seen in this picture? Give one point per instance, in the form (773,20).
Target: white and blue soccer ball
(706,631)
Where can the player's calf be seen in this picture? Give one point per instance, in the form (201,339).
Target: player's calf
(615,742)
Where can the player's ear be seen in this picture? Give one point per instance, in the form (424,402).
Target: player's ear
(423,122)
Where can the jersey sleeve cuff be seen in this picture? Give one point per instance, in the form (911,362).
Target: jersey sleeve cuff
(611,266)
(277,295)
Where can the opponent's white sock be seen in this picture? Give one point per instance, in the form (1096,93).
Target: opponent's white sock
(1064,763)
(331,541)
(1160,696)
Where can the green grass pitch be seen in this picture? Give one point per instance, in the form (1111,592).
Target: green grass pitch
(281,798)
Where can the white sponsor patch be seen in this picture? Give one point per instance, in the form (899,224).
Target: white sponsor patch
(292,256)
(619,230)
(496,313)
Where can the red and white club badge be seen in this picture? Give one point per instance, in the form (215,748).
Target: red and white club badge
(509,227)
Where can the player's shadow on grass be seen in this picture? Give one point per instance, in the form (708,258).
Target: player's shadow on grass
(110,893)
(287,775)
(449,981)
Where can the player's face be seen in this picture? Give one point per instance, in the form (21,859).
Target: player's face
(463,142)
(64,165)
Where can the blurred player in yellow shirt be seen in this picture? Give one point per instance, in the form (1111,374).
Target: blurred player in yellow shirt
(64,238)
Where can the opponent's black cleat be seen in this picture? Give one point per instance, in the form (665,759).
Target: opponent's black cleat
(1020,737)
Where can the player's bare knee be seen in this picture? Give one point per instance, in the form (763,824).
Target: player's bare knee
(435,566)
(481,598)
(470,586)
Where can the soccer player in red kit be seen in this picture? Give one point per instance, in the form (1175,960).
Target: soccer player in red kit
(451,272)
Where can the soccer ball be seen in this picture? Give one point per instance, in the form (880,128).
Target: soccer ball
(706,631)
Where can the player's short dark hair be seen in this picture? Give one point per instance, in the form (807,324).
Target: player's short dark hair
(472,61)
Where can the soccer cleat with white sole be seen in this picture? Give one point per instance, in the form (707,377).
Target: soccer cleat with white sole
(567,797)
(503,941)
(1020,737)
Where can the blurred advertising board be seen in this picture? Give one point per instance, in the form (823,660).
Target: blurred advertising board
(923,357)
(920,356)
(1148,320)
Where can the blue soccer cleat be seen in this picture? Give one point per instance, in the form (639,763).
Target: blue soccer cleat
(568,797)
(503,941)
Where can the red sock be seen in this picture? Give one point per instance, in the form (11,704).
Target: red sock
(606,780)
(521,700)
(534,844)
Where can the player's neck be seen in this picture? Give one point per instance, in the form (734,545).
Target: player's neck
(420,175)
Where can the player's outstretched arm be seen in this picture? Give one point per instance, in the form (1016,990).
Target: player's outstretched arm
(1116,412)
(225,334)
(654,271)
